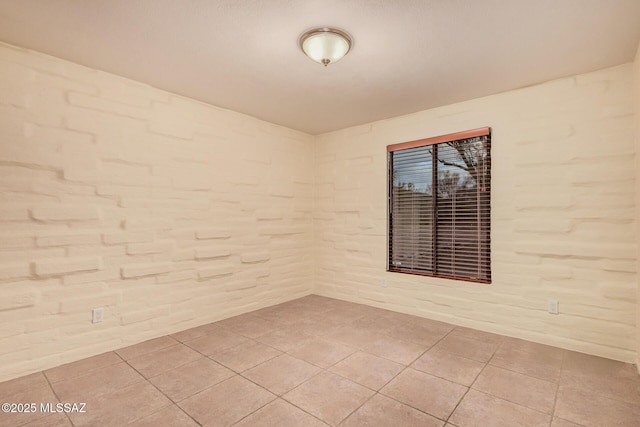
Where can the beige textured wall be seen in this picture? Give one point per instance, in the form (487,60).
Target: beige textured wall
(168,212)
(563,215)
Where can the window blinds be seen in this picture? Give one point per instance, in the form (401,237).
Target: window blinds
(439,206)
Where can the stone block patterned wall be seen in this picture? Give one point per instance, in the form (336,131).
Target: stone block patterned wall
(167,212)
(563,215)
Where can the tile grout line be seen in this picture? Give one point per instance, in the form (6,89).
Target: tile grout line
(474,381)
(412,407)
(302,409)
(322,370)
(406,341)
(557,384)
(409,366)
(502,398)
(322,367)
(235,373)
(155,351)
(335,373)
(161,392)
(211,357)
(253,382)
(555,401)
(278,396)
(281,397)
(521,373)
(359,406)
(377,392)
(257,409)
(56,395)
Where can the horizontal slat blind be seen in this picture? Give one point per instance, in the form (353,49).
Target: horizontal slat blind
(439,206)
(412,212)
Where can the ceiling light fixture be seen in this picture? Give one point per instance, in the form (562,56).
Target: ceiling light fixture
(325,45)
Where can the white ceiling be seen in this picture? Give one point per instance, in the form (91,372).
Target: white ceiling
(408,55)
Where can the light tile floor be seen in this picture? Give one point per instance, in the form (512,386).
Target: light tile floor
(317,361)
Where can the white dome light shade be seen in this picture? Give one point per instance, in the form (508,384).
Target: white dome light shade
(325,45)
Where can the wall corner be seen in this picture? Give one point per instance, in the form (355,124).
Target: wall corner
(636,98)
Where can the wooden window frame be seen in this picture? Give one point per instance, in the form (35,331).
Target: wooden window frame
(473,133)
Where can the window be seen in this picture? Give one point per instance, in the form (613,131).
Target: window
(439,206)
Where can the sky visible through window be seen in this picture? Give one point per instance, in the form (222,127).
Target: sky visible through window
(418,176)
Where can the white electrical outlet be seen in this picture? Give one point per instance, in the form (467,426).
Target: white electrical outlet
(552,306)
(97,315)
(383,282)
